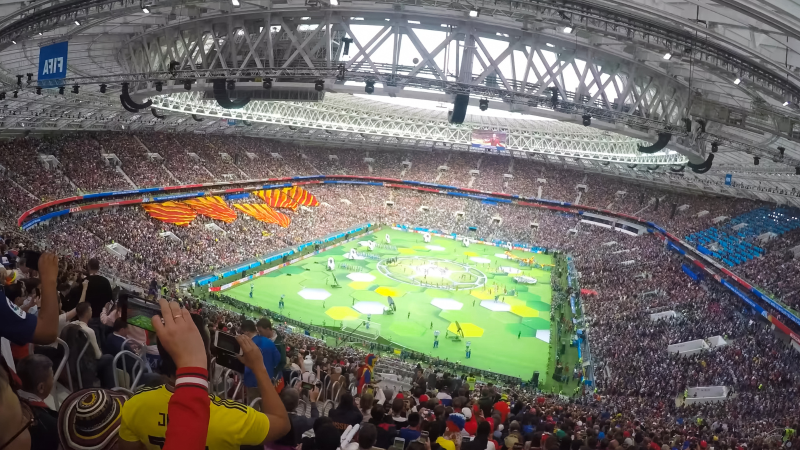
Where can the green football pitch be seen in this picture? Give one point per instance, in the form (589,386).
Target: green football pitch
(434,285)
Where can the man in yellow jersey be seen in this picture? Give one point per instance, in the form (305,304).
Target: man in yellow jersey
(231,425)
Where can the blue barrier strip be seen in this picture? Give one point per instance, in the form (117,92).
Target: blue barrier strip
(776,305)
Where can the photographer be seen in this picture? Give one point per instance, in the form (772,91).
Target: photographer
(231,424)
(291,399)
(22,328)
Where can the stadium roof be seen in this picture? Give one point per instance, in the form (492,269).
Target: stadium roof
(637,67)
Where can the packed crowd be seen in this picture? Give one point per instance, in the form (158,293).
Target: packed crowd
(637,401)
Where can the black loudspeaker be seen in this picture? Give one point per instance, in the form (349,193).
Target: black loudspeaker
(535,379)
(459,108)
(674,208)
(657,202)
(641,199)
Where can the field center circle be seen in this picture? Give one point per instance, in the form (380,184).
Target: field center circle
(434,273)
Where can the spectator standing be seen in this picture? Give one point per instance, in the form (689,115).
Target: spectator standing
(412,430)
(264,328)
(19,327)
(300,424)
(345,413)
(99,290)
(232,424)
(189,408)
(105,369)
(269,354)
(367,437)
(481,441)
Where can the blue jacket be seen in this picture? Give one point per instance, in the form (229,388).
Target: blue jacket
(271,356)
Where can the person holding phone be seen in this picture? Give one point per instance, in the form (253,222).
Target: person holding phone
(231,424)
(269,354)
(19,327)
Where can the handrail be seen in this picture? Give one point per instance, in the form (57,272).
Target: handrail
(64,363)
(140,363)
(80,356)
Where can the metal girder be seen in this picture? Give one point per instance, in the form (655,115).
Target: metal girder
(328,117)
(633,24)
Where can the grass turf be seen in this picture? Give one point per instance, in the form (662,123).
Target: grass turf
(501,341)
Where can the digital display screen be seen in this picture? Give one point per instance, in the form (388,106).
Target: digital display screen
(489,140)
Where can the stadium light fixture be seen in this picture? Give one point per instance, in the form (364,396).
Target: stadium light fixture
(568,29)
(334,2)
(737,81)
(786,103)
(78,22)
(40,33)
(474,13)
(14,42)
(668,55)
(549,44)
(235,3)
(145,10)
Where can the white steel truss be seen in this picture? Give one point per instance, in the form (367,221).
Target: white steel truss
(560,139)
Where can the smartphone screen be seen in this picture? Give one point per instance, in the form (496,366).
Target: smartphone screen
(308,386)
(137,311)
(227,343)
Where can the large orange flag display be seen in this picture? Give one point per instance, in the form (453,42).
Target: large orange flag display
(171,212)
(301,196)
(277,199)
(264,213)
(213,207)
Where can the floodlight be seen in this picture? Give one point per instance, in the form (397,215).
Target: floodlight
(668,55)
(737,81)
(474,13)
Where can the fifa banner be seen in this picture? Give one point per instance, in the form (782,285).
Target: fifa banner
(489,140)
(53,65)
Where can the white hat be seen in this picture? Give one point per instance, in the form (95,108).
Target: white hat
(467,413)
